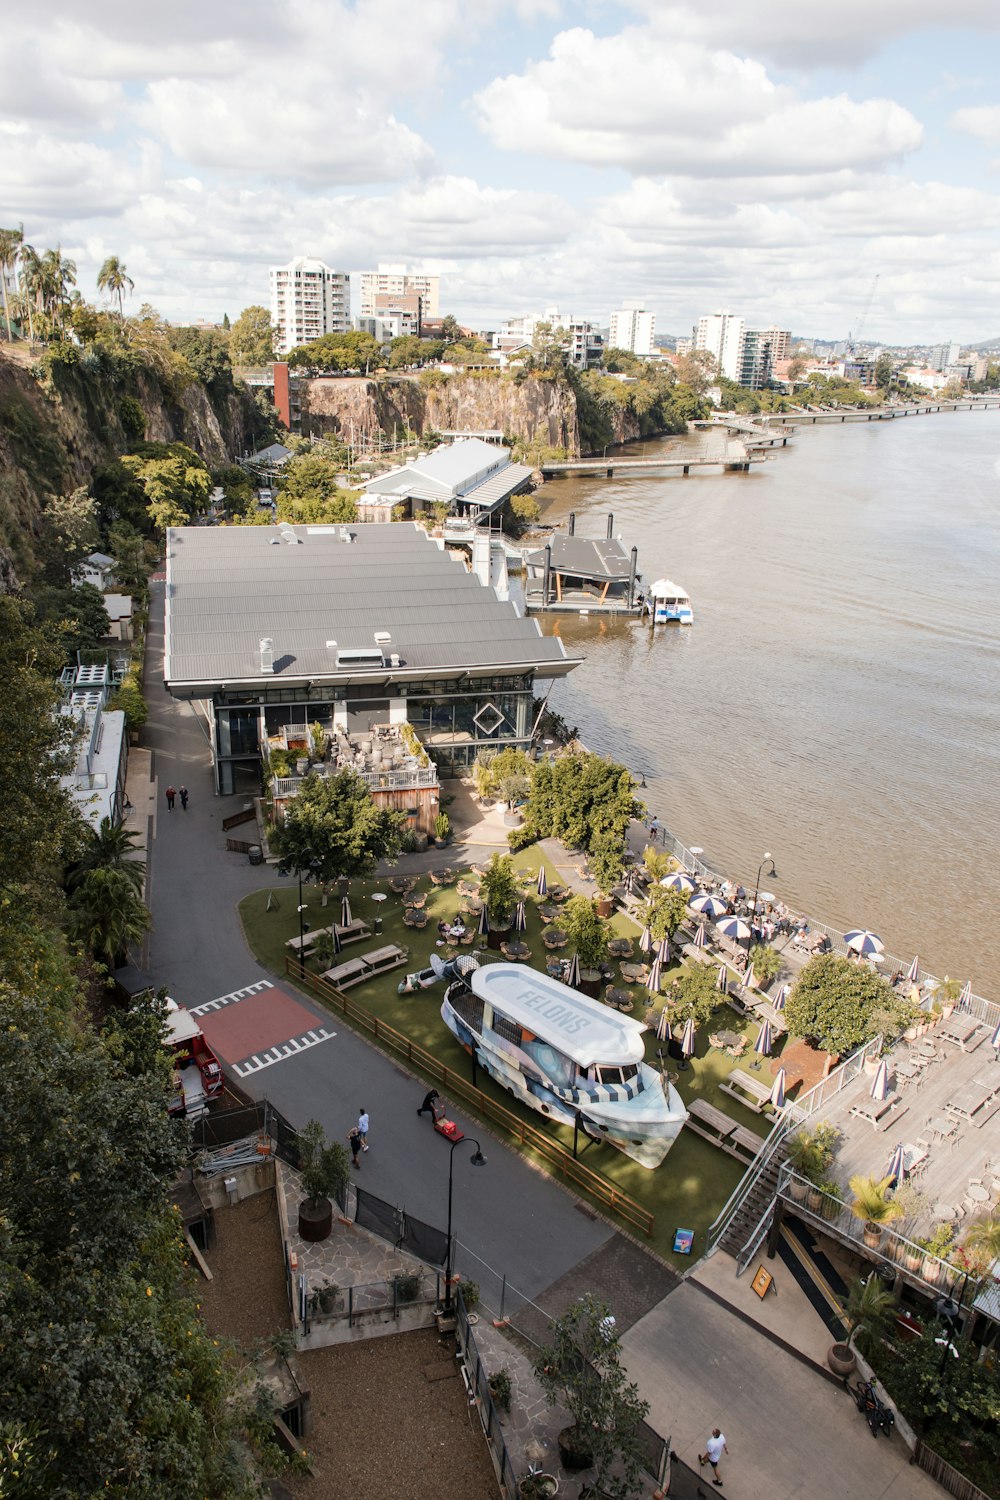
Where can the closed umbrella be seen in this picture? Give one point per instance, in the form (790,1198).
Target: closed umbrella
(880,1083)
(965,998)
(678,881)
(701,936)
(734,927)
(663,950)
(710,906)
(722,979)
(345,912)
(653,982)
(995,1038)
(645,940)
(687,1037)
(897,1166)
(778,1089)
(573,972)
(913,972)
(779,1000)
(762,1045)
(335,942)
(750,979)
(484,922)
(520,920)
(662,1026)
(542,885)
(864,942)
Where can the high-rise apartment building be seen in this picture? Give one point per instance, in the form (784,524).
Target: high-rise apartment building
(632,329)
(760,349)
(397,281)
(721,334)
(944,355)
(308,299)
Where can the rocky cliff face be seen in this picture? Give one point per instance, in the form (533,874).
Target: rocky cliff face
(539,411)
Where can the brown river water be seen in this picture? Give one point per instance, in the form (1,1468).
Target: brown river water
(837,701)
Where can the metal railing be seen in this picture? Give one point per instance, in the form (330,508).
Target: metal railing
(400,778)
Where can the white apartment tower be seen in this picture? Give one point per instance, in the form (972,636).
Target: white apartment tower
(308,299)
(721,334)
(632,329)
(397,281)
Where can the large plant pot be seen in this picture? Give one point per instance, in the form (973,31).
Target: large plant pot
(872,1235)
(605,906)
(590,982)
(933,1271)
(841,1359)
(538,1485)
(574,1453)
(798,1190)
(814,1201)
(497,935)
(315,1220)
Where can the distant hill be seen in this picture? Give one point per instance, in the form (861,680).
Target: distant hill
(985,345)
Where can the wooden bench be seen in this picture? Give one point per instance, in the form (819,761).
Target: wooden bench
(880,1113)
(355,932)
(716,1127)
(366,966)
(750,1092)
(715,1119)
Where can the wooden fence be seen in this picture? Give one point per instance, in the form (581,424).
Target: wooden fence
(948,1477)
(536,1141)
(247,815)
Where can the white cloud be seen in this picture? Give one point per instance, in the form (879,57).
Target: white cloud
(983,122)
(647,103)
(49,182)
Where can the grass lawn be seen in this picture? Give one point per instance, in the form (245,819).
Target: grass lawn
(695,1178)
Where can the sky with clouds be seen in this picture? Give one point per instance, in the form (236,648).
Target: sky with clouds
(771,158)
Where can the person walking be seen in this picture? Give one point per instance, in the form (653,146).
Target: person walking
(171,794)
(183,794)
(714,1449)
(354,1139)
(363,1128)
(654,830)
(427,1108)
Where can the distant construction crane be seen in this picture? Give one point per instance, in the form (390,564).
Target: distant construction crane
(853,339)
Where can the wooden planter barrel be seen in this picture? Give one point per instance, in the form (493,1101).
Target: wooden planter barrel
(315,1221)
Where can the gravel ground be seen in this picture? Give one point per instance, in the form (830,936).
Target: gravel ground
(246,1299)
(383,1431)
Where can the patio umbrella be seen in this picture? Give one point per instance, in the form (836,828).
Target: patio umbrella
(541,884)
(779,1000)
(734,927)
(763,897)
(763,1043)
(653,982)
(345,912)
(722,980)
(701,936)
(995,1038)
(484,922)
(678,881)
(687,1037)
(573,972)
(520,920)
(965,998)
(645,940)
(663,1026)
(778,1089)
(711,906)
(663,950)
(864,942)
(880,1083)
(750,979)
(897,1166)
(335,942)
(913,972)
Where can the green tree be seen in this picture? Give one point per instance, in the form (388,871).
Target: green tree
(68,534)
(450,331)
(11,241)
(695,993)
(310,478)
(665,910)
(607,864)
(582,799)
(766,963)
(323,1164)
(405,351)
(239,496)
(251,341)
(107,914)
(111,846)
(586,930)
(498,888)
(174,480)
(78,614)
(338,351)
(334,828)
(884,371)
(115,280)
(839,1004)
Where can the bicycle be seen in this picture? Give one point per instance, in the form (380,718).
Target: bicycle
(880,1418)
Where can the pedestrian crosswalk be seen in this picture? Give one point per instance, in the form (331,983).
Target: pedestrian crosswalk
(286,1049)
(232,998)
(249,1028)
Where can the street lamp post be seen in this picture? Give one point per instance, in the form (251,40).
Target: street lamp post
(477,1160)
(767,860)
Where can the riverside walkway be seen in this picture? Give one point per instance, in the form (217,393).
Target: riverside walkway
(736,457)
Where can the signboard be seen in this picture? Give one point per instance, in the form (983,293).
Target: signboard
(683,1240)
(762,1283)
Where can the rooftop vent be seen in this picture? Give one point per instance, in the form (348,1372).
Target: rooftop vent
(267,654)
(382,637)
(395,660)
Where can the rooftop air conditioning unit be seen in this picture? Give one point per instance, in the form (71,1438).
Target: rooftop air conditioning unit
(382,637)
(395,660)
(267,655)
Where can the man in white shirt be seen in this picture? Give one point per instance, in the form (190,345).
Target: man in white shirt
(363,1129)
(714,1449)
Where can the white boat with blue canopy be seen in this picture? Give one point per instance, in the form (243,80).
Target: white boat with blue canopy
(565,1054)
(668,604)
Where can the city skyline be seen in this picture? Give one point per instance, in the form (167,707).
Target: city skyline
(533,153)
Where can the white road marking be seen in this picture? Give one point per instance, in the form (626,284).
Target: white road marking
(233,998)
(286,1049)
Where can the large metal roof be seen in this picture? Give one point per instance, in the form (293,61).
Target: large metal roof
(580,558)
(319,595)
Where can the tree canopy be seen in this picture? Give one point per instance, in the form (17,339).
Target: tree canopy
(174,480)
(310,491)
(338,351)
(251,339)
(333,828)
(581,798)
(840,1004)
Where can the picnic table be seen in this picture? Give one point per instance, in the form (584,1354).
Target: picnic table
(941,1125)
(747,1090)
(976,1193)
(354,932)
(964,1031)
(748,1139)
(875,1111)
(708,1114)
(967,1101)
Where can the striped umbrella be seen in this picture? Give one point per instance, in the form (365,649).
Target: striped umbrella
(880,1083)
(763,1043)
(678,881)
(965,998)
(749,979)
(734,927)
(995,1038)
(662,1026)
(520,919)
(484,922)
(701,936)
(541,884)
(913,972)
(573,973)
(897,1166)
(335,942)
(778,1089)
(864,942)
(645,940)
(653,982)
(687,1037)
(711,906)
(345,912)
(722,980)
(779,1000)
(663,950)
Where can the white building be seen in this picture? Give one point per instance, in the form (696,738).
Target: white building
(308,299)
(632,328)
(96,782)
(396,281)
(944,355)
(721,335)
(583,344)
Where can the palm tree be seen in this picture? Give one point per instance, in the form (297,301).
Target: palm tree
(11,241)
(983,1237)
(113,278)
(30,284)
(107,914)
(58,275)
(110,847)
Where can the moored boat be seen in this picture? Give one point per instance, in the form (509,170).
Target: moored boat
(668,604)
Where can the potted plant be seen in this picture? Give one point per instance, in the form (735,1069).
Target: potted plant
(406,1287)
(324,1170)
(327,1296)
(869,1310)
(442,828)
(536,1485)
(607,865)
(589,934)
(873,1206)
(317,736)
(832,1199)
(581,1369)
(811,1154)
(500,1388)
(498,888)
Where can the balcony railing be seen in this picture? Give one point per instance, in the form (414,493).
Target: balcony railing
(399,779)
